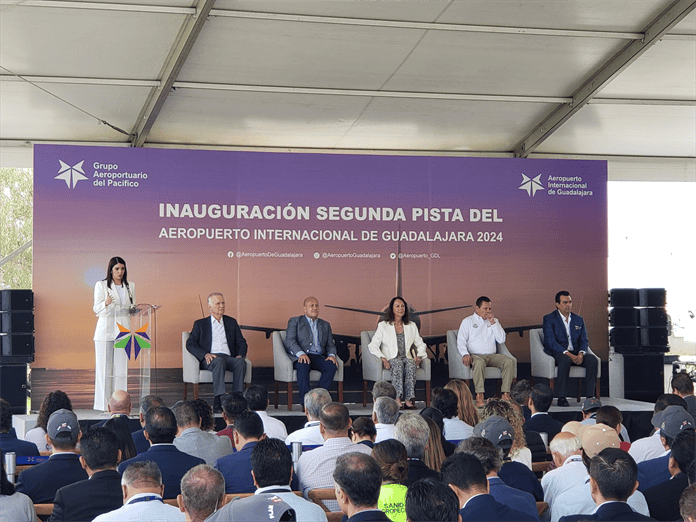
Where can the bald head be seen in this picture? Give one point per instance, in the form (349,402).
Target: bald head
(335,420)
(120,402)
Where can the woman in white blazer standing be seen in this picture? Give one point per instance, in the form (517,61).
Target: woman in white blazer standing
(113,299)
(393,342)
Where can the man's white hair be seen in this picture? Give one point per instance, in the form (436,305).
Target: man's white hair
(565,446)
(214,294)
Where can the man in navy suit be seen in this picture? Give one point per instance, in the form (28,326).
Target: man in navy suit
(310,345)
(565,339)
(358,480)
(42,481)
(8,437)
(236,468)
(160,430)
(218,343)
(613,475)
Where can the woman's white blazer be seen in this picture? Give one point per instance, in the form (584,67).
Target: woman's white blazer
(383,344)
(116,312)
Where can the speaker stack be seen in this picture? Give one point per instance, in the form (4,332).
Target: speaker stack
(639,331)
(16,346)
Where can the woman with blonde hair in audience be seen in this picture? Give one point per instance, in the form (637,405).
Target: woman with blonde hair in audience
(434,454)
(466,410)
(519,451)
(392,458)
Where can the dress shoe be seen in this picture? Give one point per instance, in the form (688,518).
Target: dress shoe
(562,401)
(217,404)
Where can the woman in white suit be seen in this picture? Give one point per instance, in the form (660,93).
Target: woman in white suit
(113,299)
(393,342)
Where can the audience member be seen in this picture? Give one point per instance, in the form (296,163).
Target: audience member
(383,389)
(499,431)
(142,497)
(466,410)
(55,400)
(257,400)
(385,413)
(205,412)
(120,406)
(146,403)
(520,392)
(467,478)
(269,508)
(363,432)
(271,469)
(101,493)
(589,410)
(314,401)
(191,439)
(612,481)
(125,439)
(687,504)
(578,499)
(434,453)
(683,385)
(591,407)
(539,402)
(663,499)
(612,417)
(232,405)
(573,427)
(358,480)
(41,481)
(13,504)
(8,437)
(202,493)
(431,501)
(439,420)
(570,471)
(670,422)
(236,468)
(392,458)
(455,428)
(315,468)
(413,432)
(491,459)
(160,430)
(651,447)
(519,451)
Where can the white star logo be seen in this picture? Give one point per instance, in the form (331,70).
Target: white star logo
(71,174)
(531,185)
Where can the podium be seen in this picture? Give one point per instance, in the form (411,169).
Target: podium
(138,340)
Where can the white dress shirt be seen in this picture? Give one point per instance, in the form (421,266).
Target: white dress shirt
(384,431)
(308,436)
(555,482)
(273,428)
(478,336)
(143,511)
(457,429)
(647,448)
(219,344)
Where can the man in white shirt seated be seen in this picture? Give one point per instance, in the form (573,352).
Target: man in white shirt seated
(385,413)
(314,401)
(570,470)
(476,342)
(142,497)
(651,447)
(257,399)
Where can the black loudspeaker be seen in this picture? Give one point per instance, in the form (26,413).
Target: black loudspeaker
(16,300)
(624,317)
(643,377)
(13,387)
(638,336)
(16,322)
(17,345)
(655,297)
(623,297)
(653,317)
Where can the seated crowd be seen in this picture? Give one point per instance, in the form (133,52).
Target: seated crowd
(449,462)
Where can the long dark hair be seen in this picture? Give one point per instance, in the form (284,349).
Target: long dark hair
(109,275)
(125,440)
(53,401)
(389,316)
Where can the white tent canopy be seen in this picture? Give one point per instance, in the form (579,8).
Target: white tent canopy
(593,78)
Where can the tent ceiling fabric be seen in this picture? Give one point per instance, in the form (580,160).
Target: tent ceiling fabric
(462,77)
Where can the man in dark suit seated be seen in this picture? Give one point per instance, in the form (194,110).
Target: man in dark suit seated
(431,501)
(236,468)
(467,478)
(613,475)
(540,401)
(146,404)
(565,339)
(358,480)
(101,493)
(218,344)
(413,432)
(160,430)
(120,408)
(8,437)
(310,345)
(42,481)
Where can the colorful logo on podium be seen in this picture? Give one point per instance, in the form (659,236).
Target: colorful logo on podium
(138,340)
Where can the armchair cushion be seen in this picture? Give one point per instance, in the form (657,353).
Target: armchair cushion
(283,368)
(192,368)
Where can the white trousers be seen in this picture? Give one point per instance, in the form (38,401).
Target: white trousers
(111,373)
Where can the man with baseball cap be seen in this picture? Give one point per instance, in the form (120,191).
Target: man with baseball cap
(670,422)
(515,474)
(578,499)
(40,482)
(589,410)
